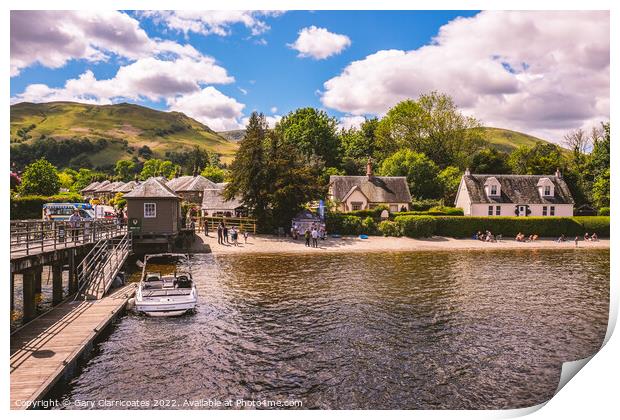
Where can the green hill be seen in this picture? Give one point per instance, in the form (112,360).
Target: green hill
(508,140)
(124,127)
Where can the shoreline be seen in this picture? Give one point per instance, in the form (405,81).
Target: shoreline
(268,244)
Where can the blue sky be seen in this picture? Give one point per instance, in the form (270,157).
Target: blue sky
(219,67)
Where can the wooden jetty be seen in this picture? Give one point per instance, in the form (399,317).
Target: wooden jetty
(49,347)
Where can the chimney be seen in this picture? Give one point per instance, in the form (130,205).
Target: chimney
(369,168)
(467,172)
(558,174)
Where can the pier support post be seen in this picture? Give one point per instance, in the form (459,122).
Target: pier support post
(72,273)
(28,286)
(38,278)
(56,284)
(12,292)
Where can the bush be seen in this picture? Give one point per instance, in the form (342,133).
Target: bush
(369,226)
(31,206)
(434,211)
(603,211)
(390,228)
(417,226)
(424,205)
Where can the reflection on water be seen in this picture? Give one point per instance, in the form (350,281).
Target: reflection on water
(404,330)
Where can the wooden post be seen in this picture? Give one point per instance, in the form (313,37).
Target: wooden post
(72,272)
(12,291)
(56,283)
(38,277)
(29,294)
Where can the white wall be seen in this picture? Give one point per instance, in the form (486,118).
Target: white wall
(462,199)
(356,196)
(563,210)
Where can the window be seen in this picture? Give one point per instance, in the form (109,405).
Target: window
(150,210)
(490,210)
(547,190)
(544,210)
(356,205)
(498,210)
(552,210)
(393,207)
(493,189)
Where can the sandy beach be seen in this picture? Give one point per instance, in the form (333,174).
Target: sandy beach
(269,244)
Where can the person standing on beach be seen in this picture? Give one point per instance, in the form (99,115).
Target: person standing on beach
(576,240)
(220,233)
(245,236)
(225,232)
(315,238)
(233,235)
(307,237)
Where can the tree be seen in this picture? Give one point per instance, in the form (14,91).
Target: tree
(66,180)
(489,161)
(249,178)
(600,190)
(313,133)
(432,125)
(213,173)
(40,178)
(157,167)
(84,177)
(145,152)
(421,173)
(449,179)
(542,158)
(125,170)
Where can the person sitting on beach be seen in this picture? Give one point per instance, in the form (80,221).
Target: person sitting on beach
(586,237)
(562,238)
(594,237)
(520,237)
(534,237)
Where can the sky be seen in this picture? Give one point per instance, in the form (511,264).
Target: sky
(543,73)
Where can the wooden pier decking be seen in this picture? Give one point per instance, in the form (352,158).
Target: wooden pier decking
(47,348)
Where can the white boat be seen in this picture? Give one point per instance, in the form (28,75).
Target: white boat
(165,294)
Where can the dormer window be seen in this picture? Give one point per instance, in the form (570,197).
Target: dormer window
(492,187)
(545,187)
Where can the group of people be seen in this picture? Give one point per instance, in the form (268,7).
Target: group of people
(311,234)
(487,236)
(230,236)
(586,237)
(523,238)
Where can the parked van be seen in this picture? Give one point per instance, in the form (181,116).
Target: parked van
(62,211)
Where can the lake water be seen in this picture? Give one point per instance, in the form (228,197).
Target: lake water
(416,330)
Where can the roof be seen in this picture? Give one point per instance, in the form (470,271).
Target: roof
(91,187)
(175,183)
(306,215)
(109,187)
(518,189)
(126,187)
(197,183)
(213,199)
(377,189)
(102,184)
(151,188)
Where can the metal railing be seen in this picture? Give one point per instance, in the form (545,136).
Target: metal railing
(98,269)
(30,237)
(209,223)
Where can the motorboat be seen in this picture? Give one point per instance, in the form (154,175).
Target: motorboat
(165,294)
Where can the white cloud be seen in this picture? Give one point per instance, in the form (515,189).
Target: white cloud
(274,109)
(242,90)
(319,43)
(212,22)
(539,72)
(211,107)
(52,38)
(351,121)
(146,78)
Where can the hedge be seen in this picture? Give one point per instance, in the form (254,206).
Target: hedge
(603,211)
(31,206)
(434,211)
(465,226)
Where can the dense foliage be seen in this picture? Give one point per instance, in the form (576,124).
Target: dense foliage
(31,206)
(40,177)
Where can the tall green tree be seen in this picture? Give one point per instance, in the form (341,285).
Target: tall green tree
(432,125)
(421,173)
(214,173)
(40,178)
(313,133)
(449,179)
(249,175)
(125,170)
(158,167)
(489,161)
(540,159)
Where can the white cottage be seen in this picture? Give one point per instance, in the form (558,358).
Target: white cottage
(514,195)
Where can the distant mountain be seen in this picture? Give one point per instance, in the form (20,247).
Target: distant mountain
(232,135)
(508,140)
(125,127)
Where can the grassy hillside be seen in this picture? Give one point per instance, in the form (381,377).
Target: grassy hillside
(232,135)
(508,140)
(125,127)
